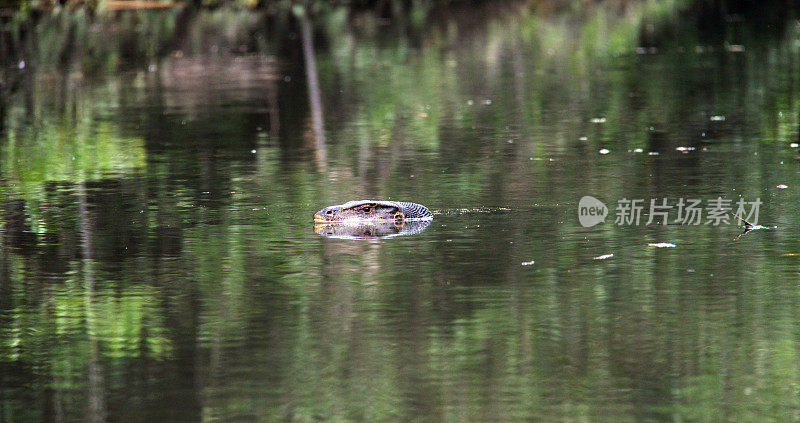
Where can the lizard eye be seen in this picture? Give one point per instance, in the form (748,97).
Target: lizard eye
(329,212)
(367,209)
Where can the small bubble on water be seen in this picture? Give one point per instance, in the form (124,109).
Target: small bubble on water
(583,138)
(604,151)
(152,68)
(794,145)
(487,102)
(253,151)
(470,102)
(21,64)
(782,186)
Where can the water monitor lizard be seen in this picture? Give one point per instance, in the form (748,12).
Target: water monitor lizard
(373,210)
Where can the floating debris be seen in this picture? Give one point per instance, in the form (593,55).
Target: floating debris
(527,263)
(749,227)
(598,120)
(583,139)
(685,148)
(794,145)
(638,150)
(604,151)
(782,186)
(470,102)
(487,102)
(662,245)
(653,153)
(734,48)
(604,256)
(717,118)
(116,5)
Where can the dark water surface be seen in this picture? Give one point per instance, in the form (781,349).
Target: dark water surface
(159,260)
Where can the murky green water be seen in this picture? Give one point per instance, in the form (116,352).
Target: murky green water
(159,260)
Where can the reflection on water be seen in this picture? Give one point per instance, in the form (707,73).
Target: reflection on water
(371,229)
(156,262)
